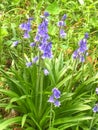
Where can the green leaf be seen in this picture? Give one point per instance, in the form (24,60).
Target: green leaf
(70,119)
(14,99)
(37,124)
(9,93)
(30,128)
(3,105)
(24,119)
(3,32)
(63,81)
(8,122)
(53,128)
(63,127)
(53,8)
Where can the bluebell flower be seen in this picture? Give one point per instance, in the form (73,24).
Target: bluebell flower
(95,109)
(26,27)
(83,46)
(30,19)
(75,54)
(51,99)
(86,35)
(26,34)
(35,59)
(82,59)
(81,52)
(56,93)
(46,14)
(23,26)
(42,29)
(62,33)
(37,38)
(28,64)
(32,44)
(45,46)
(46,49)
(15,43)
(54,97)
(47,55)
(46,72)
(64,17)
(57,103)
(61,23)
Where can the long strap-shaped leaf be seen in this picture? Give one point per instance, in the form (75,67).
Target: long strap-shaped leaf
(8,122)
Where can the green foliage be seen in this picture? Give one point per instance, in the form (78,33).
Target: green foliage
(28,88)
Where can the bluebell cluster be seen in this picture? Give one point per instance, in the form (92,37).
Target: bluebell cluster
(61,25)
(26,27)
(81,52)
(54,97)
(43,38)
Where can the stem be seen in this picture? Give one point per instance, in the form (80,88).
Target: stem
(41,93)
(37,85)
(50,125)
(23,50)
(91,124)
(82,77)
(71,80)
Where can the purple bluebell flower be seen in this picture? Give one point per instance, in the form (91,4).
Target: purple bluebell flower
(35,59)
(46,72)
(82,59)
(26,27)
(46,49)
(47,55)
(26,34)
(46,14)
(54,97)
(42,29)
(30,19)
(62,33)
(64,17)
(56,93)
(61,23)
(75,54)
(32,44)
(51,99)
(23,26)
(42,37)
(37,38)
(82,42)
(86,36)
(95,109)
(15,43)
(28,64)
(57,103)
(96,90)
(81,52)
